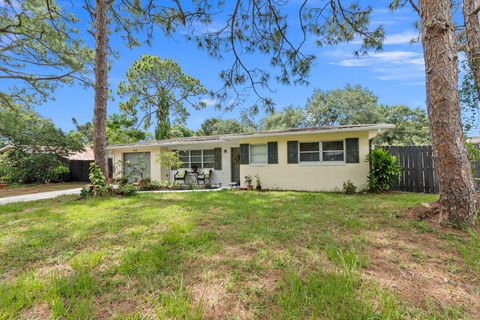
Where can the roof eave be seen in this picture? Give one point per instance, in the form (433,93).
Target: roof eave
(373,131)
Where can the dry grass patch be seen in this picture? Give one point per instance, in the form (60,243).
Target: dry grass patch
(422,269)
(21,189)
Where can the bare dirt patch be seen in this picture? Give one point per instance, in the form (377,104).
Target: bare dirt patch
(421,268)
(38,311)
(17,190)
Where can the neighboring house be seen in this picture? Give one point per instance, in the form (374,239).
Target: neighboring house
(474,140)
(77,162)
(84,155)
(315,159)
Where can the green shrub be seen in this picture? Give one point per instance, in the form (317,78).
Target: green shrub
(349,187)
(86,192)
(127,190)
(148,185)
(384,169)
(25,167)
(98,180)
(121,181)
(59,173)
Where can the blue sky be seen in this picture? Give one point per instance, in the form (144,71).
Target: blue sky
(395,74)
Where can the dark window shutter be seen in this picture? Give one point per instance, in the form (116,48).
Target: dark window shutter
(353,153)
(272,152)
(218,158)
(244,153)
(292,149)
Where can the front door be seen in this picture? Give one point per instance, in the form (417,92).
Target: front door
(235,164)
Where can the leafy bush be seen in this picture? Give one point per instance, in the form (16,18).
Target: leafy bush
(127,190)
(384,169)
(169,159)
(59,173)
(145,182)
(86,192)
(121,181)
(6,174)
(149,185)
(349,187)
(98,180)
(25,167)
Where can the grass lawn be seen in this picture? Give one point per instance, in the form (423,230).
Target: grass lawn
(19,189)
(234,255)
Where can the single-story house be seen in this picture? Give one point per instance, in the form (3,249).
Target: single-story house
(314,159)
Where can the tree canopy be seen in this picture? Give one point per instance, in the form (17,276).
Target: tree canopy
(158,87)
(290,117)
(120,129)
(216,126)
(39,50)
(350,105)
(27,131)
(354,105)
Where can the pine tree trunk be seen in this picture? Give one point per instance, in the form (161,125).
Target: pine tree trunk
(101,86)
(472,27)
(457,203)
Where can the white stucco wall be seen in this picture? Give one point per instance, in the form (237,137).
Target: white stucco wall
(309,176)
(283,176)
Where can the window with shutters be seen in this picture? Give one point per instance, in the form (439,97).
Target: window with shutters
(197,158)
(209,158)
(258,154)
(321,151)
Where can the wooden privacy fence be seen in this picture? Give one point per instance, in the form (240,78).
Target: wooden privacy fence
(418,170)
(80,169)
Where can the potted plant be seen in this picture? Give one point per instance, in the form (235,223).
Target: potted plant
(258,182)
(248,182)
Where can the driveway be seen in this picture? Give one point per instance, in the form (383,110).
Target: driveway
(39,196)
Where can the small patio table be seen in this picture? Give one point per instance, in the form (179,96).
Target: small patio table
(191,177)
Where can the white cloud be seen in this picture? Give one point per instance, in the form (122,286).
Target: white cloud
(396,65)
(384,16)
(397,57)
(401,38)
(209,101)
(406,37)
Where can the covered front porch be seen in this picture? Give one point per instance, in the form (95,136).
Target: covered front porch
(219,159)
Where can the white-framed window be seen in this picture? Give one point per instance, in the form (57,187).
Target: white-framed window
(333,151)
(309,151)
(184,156)
(322,151)
(197,158)
(208,158)
(258,153)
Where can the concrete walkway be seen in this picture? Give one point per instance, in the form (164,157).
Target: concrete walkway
(39,196)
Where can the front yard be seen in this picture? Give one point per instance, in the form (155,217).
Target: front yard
(233,255)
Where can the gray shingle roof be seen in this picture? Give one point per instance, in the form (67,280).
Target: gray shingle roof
(226,137)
